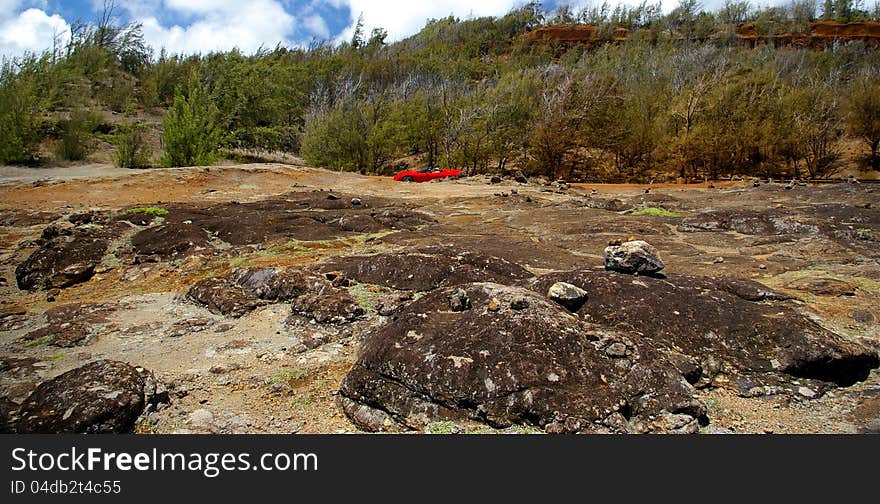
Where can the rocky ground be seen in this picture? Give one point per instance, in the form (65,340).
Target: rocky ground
(280,299)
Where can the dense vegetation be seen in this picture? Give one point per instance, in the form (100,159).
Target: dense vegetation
(680,97)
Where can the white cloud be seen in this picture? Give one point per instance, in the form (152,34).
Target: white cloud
(219,25)
(402,18)
(32,30)
(316,25)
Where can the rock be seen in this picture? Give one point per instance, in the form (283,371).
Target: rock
(821,286)
(356,202)
(171,240)
(243,290)
(7,409)
(459,301)
(64,259)
(807,392)
(750,290)
(219,296)
(616,350)
(427,269)
(702,319)
(633,257)
(568,295)
(328,306)
(332,197)
(495,179)
(519,303)
(494,305)
(863,316)
(754,223)
(201,419)
(537,366)
(101,397)
(71,325)
(520,178)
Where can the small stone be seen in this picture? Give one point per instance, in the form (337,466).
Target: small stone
(332,197)
(459,301)
(201,418)
(762,266)
(519,303)
(570,296)
(356,201)
(807,392)
(863,316)
(494,305)
(718,260)
(616,350)
(495,179)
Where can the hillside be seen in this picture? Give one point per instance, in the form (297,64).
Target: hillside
(677,96)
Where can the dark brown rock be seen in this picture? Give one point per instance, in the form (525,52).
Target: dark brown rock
(220,296)
(329,306)
(244,290)
(7,410)
(101,397)
(170,241)
(538,365)
(821,286)
(427,269)
(700,318)
(64,259)
(71,325)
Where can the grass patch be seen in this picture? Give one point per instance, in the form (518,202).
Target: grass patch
(154,211)
(655,212)
(38,342)
(303,404)
(864,230)
(442,428)
(366,298)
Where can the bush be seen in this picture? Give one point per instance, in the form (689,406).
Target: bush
(76,136)
(132,150)
(192,131)
(19,118)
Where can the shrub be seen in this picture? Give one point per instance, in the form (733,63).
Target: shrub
(76,136)
(132,150)
(192,131)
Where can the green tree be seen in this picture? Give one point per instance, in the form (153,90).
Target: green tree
(19,116)
(192,130)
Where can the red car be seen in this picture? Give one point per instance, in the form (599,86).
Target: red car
(425,174)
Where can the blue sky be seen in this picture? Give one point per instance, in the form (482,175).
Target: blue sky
(201,26)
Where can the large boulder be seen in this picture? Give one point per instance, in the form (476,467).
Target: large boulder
(633,257)
(427,268)
(66,257)
(243,290)
(733,330)
(512,356)
(102,397)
